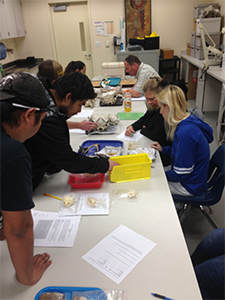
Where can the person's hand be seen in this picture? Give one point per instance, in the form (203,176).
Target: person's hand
(112,164)
(129,131)
(87,126)
(156,146)
(40,263)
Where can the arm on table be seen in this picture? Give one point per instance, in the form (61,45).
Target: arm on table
(83,125)
(18,228)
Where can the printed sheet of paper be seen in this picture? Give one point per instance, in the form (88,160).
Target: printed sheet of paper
(136,136)
(51,230)
(80,131)
(119,253)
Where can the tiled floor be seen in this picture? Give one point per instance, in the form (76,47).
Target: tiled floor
(195,226)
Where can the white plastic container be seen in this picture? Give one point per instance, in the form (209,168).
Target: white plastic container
(113,69)
(210,24)
(214,35)
(193,34)
(199,54)
(199,7)
(192,51)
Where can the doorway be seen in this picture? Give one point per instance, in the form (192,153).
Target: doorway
(71,34)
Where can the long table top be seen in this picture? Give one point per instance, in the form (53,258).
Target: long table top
(166,270)
(123,82)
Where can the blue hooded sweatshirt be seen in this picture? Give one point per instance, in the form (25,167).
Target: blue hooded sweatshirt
(190,155)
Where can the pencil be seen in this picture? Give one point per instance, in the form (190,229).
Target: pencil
(52,196)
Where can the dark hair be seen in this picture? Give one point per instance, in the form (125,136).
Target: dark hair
(131,59)
(11,115)
(181,84)
(73,66)
(78,84)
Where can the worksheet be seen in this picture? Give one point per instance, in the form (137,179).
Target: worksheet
(51,230)
(119,253)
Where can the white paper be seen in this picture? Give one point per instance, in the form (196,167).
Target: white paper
(50,230)
(80,131)
(83,208)
(136,136)
(83,114)
(141,98)
(119,253)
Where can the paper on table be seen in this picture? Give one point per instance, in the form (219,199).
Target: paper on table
(83,114)
(77,131)
(140,98)
(102,205)
(136,136)
(118,253)
(50,230)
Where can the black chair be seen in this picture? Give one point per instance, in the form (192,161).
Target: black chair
(215,186)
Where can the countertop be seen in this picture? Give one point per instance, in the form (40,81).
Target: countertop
(21,65)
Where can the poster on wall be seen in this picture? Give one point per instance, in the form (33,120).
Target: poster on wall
(105,28)
(137,18)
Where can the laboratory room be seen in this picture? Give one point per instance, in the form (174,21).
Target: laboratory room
(112,149)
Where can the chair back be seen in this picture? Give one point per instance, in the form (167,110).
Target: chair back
(216,175)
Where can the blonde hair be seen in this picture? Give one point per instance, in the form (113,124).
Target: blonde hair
(155,84)
(174,97)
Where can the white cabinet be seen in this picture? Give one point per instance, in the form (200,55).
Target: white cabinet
(11,19)
(150,57)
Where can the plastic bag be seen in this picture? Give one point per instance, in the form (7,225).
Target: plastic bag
(69,204)
(150,151)
(98,295)
(111,151)
(126,194)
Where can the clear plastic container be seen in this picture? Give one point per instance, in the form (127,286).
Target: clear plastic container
(127,101)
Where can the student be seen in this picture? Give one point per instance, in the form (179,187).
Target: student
(75,66)
(190,148)
(50,148)
(50,70)
(141,71)
(152,123)
(23,106)
(209,263)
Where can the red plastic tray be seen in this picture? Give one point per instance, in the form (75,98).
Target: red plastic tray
(86,182)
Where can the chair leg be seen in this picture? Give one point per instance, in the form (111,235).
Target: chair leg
(181,212)
(207,217)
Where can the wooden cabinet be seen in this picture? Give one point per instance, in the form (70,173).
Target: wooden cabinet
(11,19)
(150,57)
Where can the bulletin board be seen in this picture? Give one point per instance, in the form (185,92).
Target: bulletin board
(137,18)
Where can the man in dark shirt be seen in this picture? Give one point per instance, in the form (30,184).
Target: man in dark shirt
(23,106)
(50,148)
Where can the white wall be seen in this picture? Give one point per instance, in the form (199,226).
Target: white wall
(171,19)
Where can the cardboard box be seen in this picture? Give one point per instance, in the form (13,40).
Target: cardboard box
(166,53)
(192,82)
(189,49)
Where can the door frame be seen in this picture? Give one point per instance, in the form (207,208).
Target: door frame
(51,28)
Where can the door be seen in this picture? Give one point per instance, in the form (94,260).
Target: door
(72,36)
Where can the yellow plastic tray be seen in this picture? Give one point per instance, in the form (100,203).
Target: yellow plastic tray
(132,167)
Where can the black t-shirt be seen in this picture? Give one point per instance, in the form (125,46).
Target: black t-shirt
(154,129)
(15,176)
(50,148)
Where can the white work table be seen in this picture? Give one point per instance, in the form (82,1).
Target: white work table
(166,270)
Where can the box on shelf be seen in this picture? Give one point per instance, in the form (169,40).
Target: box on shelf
(132,167)
(189,49)
(199,54)
(151,43)
(214,35)
(199,7)
(140,42)
(166,53)
(192,82)
(210,24)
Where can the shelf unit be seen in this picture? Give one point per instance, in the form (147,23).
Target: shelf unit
(169,67)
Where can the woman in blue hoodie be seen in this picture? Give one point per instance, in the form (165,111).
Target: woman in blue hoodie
(190,151)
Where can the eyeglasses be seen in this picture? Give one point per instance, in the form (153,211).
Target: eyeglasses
(28,107)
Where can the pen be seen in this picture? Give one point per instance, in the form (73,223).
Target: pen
(160,296)
(52,196)
(131,134)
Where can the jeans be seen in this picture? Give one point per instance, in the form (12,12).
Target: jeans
(209,263)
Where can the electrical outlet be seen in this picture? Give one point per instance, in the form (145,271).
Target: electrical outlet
(107,44)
